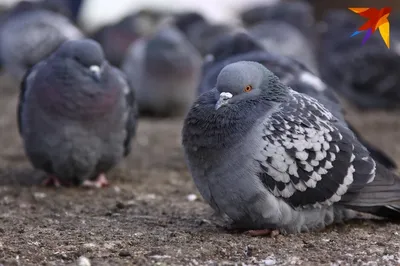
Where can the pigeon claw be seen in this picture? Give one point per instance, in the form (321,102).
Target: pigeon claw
(263,232)
(101,181)
(52,180)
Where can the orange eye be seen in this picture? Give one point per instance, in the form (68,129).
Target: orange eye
(248,88)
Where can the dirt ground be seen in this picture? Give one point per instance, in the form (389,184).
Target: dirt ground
(146,217)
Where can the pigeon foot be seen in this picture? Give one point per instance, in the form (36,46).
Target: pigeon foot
(101,181)
(51,180)
(263,232)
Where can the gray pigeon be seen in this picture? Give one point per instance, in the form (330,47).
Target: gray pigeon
(242,47)
(165,71)
(200,32)
(27,37)
(76,115)
(268,158)
(299,14)
(282,38)
(116,38)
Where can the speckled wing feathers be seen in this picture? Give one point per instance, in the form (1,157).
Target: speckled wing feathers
(309,159)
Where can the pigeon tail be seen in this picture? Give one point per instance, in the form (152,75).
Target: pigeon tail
(380,197)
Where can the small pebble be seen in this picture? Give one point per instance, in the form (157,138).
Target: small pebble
(160,257)
(117,189)
(191,197)
(39,195)
(249,251)
(269,261)
(120,205)
(83,261)
(124,253)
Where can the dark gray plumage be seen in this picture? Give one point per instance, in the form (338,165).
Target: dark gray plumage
(200,32)
(299,14)
(242,47)
(116,38)
(284,39)
(365,74)
(164,70)
(27,37)
(76,114)
(267,157)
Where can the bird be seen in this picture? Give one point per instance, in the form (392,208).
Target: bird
(28,36)
(77,115)
(116,38)
(56,6)
(282,38)
(267,158)
(200,32)
(243,47)
(363,74)
(299,14)
(164,70)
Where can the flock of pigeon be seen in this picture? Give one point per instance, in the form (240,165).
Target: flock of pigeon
(264,135)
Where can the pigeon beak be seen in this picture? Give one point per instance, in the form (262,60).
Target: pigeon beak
(96,71)
(223,99)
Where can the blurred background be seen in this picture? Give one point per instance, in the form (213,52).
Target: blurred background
(95,13)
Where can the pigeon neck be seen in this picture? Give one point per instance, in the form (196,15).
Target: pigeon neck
(207,130)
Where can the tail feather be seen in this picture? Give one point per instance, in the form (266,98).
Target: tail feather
(381,197)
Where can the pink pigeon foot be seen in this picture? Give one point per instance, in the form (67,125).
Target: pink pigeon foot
(263,232)
(51,180)
(100,182)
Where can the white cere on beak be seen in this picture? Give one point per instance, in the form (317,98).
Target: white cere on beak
(223,99)
(96,70)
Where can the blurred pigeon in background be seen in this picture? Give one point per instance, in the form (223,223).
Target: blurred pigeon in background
(56,6)
(299,14)
(365,74)
(268,158)
(200,32)
(289,71)
(28,36)
(74,7)
(164,70)
(285,39)
(116,38)
(76,115)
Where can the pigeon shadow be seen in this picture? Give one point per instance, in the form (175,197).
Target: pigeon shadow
(25,177)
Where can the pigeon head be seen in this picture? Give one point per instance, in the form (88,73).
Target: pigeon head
(86,54)
(247,81)
(245,91)
(77,75)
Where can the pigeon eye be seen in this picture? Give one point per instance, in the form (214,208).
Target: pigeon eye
(248,88)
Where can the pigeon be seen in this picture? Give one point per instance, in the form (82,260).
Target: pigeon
(268,158)
(364,74)
(291,72)
(299,14)
(200,32)
(116,38)
(28,36)
(56,6)
(164,70)
(285,39)
(76,115)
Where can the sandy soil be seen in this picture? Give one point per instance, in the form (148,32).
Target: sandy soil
(146,218)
